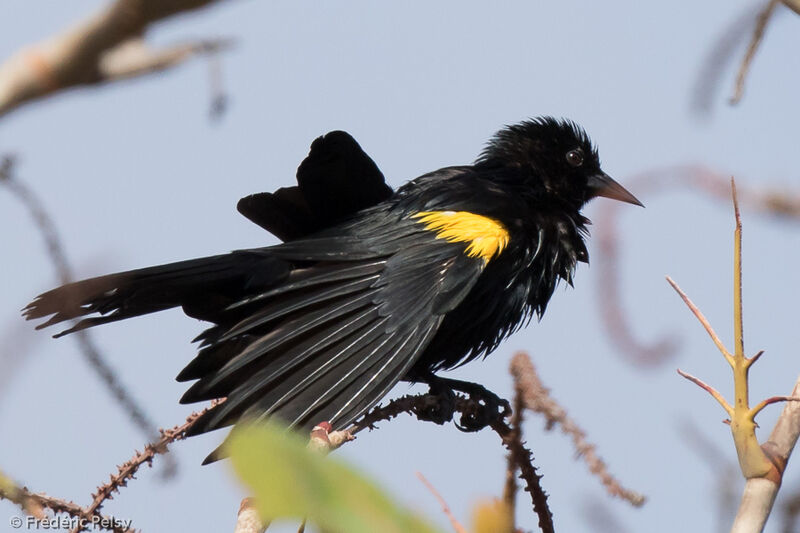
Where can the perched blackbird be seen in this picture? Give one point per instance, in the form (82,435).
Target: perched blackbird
(370,286)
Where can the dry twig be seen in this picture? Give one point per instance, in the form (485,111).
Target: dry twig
(457,527)
(35,504)
(510,488)
(106,47)
(755,41)
(128,469)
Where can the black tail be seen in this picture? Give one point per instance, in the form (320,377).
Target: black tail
(202,287)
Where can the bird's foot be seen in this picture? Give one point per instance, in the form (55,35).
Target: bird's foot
(478,410)
(438,406)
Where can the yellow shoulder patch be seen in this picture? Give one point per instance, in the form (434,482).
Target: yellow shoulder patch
(486,237)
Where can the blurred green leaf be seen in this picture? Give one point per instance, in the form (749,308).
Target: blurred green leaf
(290,481)
(7,486)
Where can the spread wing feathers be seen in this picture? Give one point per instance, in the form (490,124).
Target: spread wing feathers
(335,180)
(329,350)
(200,286)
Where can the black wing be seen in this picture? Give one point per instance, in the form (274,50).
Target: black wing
(332,340)
(344,318)
(335,180)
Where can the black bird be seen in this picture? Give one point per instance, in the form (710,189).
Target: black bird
(370,286)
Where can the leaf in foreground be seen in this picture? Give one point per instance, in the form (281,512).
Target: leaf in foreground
(290,481)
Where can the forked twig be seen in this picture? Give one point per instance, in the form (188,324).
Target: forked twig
(761,465)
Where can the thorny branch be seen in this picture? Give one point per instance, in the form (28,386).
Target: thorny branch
(511,487)
(107,46)
(128,469)
(57,254)
(761,465)
(34,503)
(520,454)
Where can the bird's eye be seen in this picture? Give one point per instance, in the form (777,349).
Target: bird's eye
(575,157)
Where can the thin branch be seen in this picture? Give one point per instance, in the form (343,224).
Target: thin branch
(523,458)
(128,469)
(521,455)
(34,504)
(58,257)
(794,5)
(738,324)
(510,488)
(457,527)
(704,321)
(709,389)
(719,58)
(769,401)
(755,41)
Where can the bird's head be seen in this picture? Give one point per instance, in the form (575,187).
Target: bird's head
(556,160)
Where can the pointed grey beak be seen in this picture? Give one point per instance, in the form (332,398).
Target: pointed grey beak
(602,185)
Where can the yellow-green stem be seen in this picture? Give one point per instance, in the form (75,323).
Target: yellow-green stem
(752,460)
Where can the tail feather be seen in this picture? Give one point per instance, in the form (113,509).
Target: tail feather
(203,287)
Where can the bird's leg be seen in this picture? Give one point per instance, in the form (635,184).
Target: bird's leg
(483,405)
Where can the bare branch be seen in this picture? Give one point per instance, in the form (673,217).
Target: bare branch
(127,470)
(105,47)
(758,34)
(703,320)
(510,488)
(720,56)
(34,504)
(794,5)
(58,256)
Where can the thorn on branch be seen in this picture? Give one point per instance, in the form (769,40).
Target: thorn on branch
(709,389)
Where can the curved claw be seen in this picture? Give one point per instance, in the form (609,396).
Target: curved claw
(478,410)
(481,410)
(437,407)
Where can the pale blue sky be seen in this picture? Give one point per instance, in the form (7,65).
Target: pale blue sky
(135,174)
